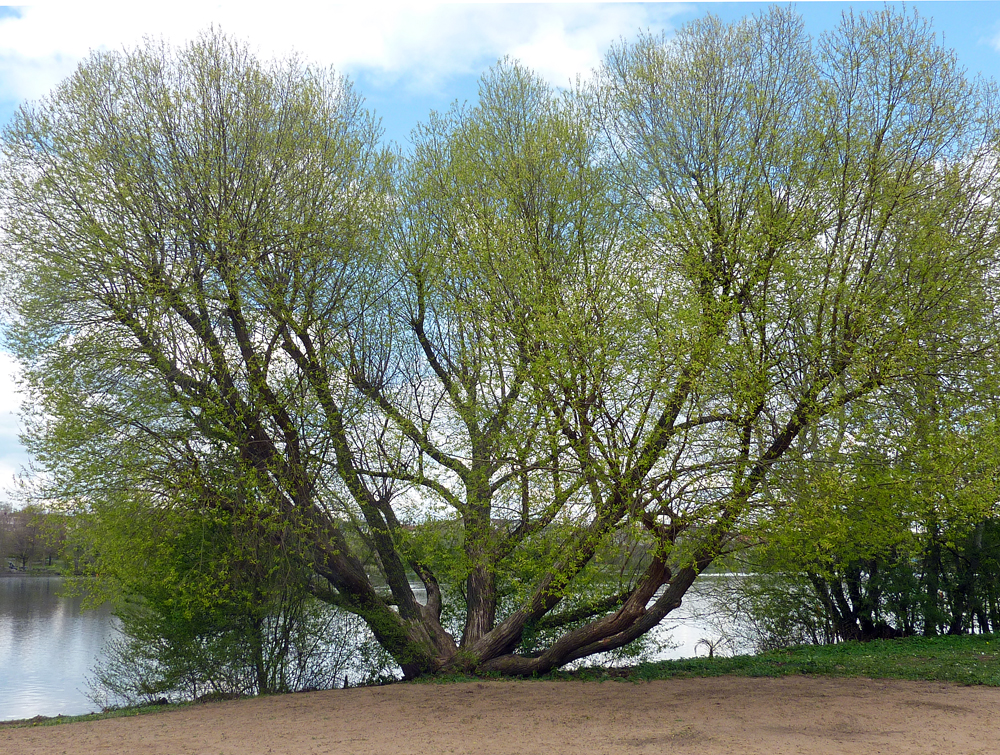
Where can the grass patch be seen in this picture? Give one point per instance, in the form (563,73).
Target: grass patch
(139,710)
(964,659)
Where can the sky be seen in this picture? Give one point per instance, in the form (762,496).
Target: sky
(405,59)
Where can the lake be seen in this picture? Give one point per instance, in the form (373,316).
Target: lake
(48,645)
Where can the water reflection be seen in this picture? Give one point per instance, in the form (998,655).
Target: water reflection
(47,646)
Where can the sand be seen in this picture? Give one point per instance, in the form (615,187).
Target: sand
(706,716)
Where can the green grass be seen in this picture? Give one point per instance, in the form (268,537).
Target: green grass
(966,659)
(139,710)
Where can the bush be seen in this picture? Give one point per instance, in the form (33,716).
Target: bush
(216,605)
(308,646)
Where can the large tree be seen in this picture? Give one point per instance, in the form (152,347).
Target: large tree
(548,363)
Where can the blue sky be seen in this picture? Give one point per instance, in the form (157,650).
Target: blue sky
(406,59)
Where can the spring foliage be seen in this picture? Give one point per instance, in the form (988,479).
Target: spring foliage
(547,366)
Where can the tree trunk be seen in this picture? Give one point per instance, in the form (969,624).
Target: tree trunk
(932,583)
(480,590)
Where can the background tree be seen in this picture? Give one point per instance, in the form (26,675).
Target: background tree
(894,531)
(54,531)
(6,529)
(550,367)
(26,536)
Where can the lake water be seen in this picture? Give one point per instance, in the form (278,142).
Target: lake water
(48,645)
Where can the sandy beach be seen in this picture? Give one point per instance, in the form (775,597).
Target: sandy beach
(708,716)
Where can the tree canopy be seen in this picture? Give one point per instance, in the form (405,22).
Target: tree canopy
(506,395)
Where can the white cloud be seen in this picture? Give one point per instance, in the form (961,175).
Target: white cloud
(414,46)
(561,44)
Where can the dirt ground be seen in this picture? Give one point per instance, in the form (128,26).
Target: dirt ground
(704,716)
